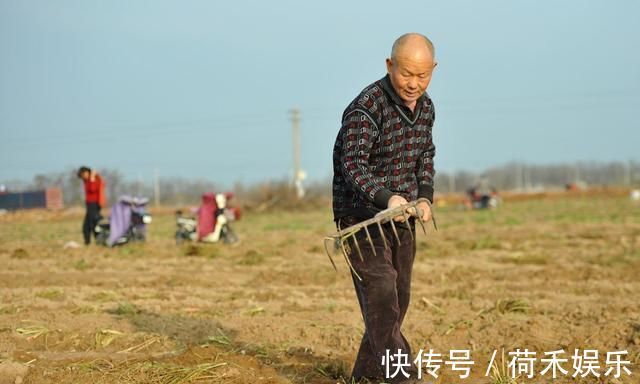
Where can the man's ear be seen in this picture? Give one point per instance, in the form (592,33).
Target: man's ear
(389,65)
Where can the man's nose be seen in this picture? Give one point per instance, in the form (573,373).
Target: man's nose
(413,83)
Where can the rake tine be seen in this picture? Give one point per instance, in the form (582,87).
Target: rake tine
(395,231)
(419,220)
(328,253)
(433,217)
(384,238)
(406,220)
(355,241)
(346,257)
(370,241)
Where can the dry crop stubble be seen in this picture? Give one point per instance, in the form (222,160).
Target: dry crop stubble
(538,274)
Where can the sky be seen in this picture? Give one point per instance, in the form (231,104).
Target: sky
(203,89)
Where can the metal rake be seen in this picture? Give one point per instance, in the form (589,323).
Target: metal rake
(340,238)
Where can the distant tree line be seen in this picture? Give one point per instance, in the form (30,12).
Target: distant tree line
(526,177)
(173,190)
(183,191)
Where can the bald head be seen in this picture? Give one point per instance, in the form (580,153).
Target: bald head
(411,44)
(410,67)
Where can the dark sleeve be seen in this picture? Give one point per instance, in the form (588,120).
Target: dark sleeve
(425,172)
(357,136)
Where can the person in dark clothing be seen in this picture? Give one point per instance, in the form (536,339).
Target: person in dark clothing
(383,158)
(94,199)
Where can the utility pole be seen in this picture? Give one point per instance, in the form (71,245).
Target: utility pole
(452,182)
(156,187)
(627,173)
(298,173)
(139,185)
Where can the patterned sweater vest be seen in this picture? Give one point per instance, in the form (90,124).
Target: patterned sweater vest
(382,149)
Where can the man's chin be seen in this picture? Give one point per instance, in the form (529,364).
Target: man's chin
(410,100)
(411,95)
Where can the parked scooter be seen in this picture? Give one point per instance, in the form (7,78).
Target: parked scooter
(127,222)
(213,221)
(187,228)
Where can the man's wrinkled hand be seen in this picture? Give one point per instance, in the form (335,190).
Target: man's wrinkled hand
(425,210)
(394,202)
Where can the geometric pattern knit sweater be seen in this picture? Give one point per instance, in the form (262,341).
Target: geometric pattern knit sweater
(382,149)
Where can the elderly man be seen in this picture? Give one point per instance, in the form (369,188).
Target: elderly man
(383,158)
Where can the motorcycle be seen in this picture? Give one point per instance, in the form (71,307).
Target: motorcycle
(186,228)
(213,222)
(127,223)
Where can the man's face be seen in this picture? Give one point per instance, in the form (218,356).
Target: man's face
(410,76)
(84,175)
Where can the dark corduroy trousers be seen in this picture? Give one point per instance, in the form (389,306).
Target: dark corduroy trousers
(383,295)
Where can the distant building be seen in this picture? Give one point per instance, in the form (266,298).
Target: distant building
(50,198)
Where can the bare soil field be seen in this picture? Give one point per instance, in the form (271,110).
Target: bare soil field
(542,274)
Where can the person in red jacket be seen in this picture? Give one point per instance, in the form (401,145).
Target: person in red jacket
(94,198)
